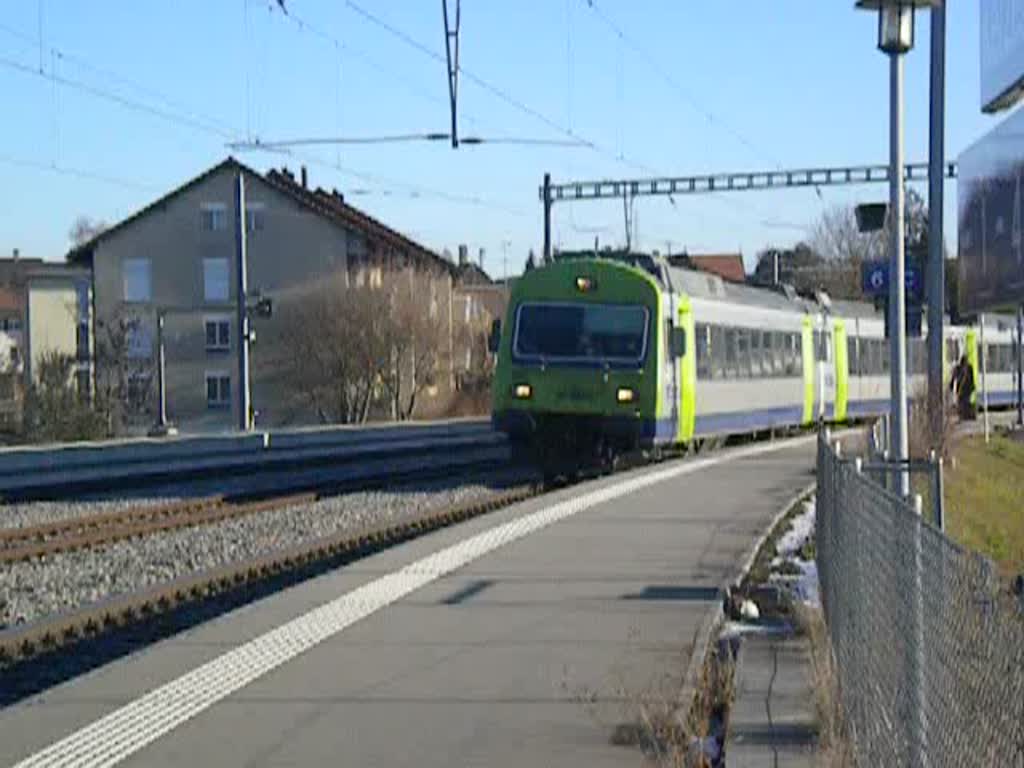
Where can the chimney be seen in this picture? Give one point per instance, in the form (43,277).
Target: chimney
(337,195)
(482,252)
(287,173)
(15,254)
(463,255)
(305,178)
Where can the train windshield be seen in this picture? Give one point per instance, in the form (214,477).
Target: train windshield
(582,333)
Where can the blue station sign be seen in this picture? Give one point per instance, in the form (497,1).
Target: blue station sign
(875,280)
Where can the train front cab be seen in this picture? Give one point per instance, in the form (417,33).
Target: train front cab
(589,364)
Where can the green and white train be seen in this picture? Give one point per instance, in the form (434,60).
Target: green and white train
(600,356)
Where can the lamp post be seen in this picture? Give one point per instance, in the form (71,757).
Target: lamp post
(895,38)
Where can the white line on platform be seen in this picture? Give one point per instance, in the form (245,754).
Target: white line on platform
(127,730)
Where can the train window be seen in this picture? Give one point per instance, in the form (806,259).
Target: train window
(755,354)
(883,356)
(732,370)
(793,356)
(779,352)
(767,363)
(703,334)
(719,354)
(743,352)
(591,332)
(852,360)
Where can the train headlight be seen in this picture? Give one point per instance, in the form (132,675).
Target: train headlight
(585,284)
(625,395)
(523,391)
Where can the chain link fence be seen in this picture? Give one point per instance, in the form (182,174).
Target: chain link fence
(928,644)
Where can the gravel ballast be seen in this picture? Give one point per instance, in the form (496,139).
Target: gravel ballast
(60,583)
(40,512)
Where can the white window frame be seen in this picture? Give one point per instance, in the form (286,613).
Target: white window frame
(218,217)
(255,212)
(207,263)
(219,321)
(134,296)
(220,402)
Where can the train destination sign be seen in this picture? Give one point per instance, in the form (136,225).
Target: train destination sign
(990,220)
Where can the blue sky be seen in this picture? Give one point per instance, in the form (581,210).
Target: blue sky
(790,83)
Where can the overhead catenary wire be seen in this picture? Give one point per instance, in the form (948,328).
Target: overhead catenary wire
(496,91)
(78,173)
(168,102)
(225,133)
(644,52)
(307,26)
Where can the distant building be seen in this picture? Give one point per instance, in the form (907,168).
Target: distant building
(178,255)
(45,308)
(728,266)
(58,320)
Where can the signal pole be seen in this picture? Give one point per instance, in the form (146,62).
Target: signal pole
(897,278)
(241,289)
(936,257)
(546,192)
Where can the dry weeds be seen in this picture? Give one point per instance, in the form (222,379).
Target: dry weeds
(835,749)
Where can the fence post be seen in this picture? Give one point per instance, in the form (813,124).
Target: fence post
(939,490)
(918,737)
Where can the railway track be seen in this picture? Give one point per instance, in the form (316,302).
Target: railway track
(278,491)
(24,643)
(29,542)
(29,646)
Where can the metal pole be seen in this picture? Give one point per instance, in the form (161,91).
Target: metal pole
(244,420)
(1020,366)
(919,735)
(897,280)
(547,218)
(936,256)
(161,380)
(984,375)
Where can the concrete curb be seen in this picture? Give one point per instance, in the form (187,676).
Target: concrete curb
(706,633)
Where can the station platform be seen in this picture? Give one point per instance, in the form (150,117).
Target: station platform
(524,637)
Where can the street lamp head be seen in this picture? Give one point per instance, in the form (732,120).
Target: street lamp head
(896,22)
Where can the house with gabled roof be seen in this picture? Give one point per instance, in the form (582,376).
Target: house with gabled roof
(178,255)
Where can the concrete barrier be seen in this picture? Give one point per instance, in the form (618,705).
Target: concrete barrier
(39,472)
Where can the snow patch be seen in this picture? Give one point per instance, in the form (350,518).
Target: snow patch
(803,585)
(793,540)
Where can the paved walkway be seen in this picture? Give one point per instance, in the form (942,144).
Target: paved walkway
(522,638)
(773,721)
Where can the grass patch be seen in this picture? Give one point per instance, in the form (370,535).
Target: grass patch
(985,499)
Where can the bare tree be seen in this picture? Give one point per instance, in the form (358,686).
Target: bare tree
(85,229)
(124,370)
(331,334)
(844,248)
(413,335)
(355,347)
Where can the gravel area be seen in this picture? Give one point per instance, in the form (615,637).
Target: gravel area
(38,512)
(57,584)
